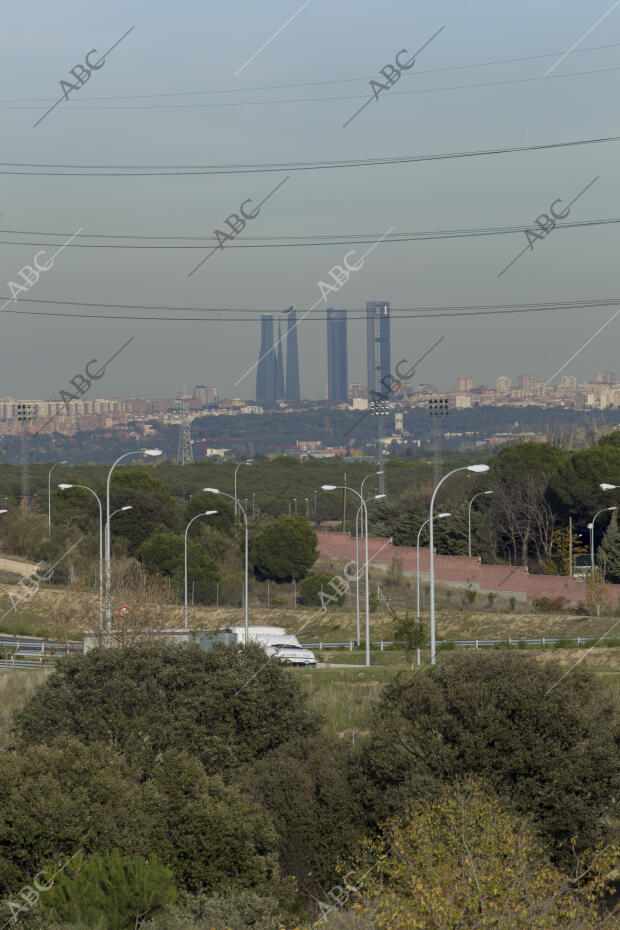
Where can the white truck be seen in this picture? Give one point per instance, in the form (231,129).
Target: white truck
(274,640)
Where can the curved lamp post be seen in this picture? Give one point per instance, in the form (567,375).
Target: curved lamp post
(591,528)
(341,487)
(83,487)
(476,470)
(245,519)
(207,513)
(247,462)
(440,516)
(49,496)
(108,606)
(481,494)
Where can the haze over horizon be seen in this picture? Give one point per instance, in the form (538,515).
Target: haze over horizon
(181,64)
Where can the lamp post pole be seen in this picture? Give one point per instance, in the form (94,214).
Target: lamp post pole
(49,496)
(108,605)
(476,469)
(469,517)
(591,528)
(245,518)
(206,513)
(440,516)
(66,487)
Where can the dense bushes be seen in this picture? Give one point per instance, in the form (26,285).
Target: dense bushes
(226,707)
(548,743)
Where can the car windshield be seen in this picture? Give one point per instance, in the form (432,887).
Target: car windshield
(286,646)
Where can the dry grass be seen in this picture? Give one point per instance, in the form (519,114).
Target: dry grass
(16,688)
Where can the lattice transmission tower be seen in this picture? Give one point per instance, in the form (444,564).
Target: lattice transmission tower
(185,454)
(437,408)
(26,414)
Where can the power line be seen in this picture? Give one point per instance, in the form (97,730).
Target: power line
(243,90)
(259,168)
(356,314)
(276,242)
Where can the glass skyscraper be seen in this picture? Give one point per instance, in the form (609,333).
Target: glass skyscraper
(266,372)
(378,355)
(337,379)
(293,395)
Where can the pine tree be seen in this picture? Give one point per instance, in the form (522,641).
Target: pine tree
(609,554)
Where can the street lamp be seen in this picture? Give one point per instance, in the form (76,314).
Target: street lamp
(295,502)
(336,487)
(207,513)
(315,494)
(476,470)
(49,497)
(440,516)
(67,487)
(307,508)
(3,511)
(358,517)
(247,462)
(245,518)
(591,528)
(469,517)
(108,606)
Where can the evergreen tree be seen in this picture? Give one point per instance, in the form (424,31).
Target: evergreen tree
(609,554)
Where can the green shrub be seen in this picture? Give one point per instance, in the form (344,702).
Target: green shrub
(311,587)
(237,909)
(110,889)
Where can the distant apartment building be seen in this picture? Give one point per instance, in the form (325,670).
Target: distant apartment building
(337,363)
(503,385)
(526,383)
(206,395)
(606,377)
(464,385)
(357,390)
(378,351)
(568,383)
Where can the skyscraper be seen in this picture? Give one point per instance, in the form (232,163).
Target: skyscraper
(280,387)
(337,390)
(266,371)
(378,360)
(293,395)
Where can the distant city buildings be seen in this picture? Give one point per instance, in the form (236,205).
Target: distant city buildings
(292,395)
(378,348)
(337,391)
(266,371)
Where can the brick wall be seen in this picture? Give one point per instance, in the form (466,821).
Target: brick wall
(460,570)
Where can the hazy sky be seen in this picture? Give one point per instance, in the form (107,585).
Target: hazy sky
(191,52)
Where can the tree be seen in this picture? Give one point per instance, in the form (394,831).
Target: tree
(285,549)
(609,554)
(165,553)
(561,551)
(311,587)
(464,861)
(111,889)
(411,631)
(598,595)
(226,707)
(223,520)
(548,742)
(237,909)
(153,507)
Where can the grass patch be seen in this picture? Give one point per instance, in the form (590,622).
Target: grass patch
(16,688)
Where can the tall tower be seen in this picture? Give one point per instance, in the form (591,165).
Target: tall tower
(280,386)
(378,356)
(185,454)
(437,408)
(293,395)
(337,380)
(266,372)
(26,413)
